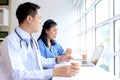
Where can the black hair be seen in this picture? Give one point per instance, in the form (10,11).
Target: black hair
(46,26)
(26,9)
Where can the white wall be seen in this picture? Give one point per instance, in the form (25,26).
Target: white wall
(62,11)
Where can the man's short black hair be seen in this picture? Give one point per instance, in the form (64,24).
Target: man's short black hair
(26,9)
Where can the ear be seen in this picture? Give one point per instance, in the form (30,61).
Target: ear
(46,31)
(29,19)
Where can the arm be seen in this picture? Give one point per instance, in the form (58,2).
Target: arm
(68,51)
(63,58)
(11,57)
(61,50)
(42,48)
(48,62)
(67,70)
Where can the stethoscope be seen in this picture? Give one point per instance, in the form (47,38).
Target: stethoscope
(36,49)
(23,40)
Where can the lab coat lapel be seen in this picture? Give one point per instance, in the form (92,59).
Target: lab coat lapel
(38,56)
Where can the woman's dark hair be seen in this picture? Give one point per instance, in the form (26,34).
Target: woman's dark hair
(46,26)
(26,9)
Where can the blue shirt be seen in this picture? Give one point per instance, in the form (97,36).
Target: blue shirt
(53,51)
(23,62)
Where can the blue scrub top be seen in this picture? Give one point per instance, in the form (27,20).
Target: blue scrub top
(53,51)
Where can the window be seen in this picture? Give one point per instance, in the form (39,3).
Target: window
(90,19)
(102,11)
(83,42)
(117,6)
(89,3)
(100,24)
(82,9)
(117,35)
(117,47)
(90,40)
(82,25)
(102,37)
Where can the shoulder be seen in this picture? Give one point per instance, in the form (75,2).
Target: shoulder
(55,42)
(11,40)
(11,37)
(40,41)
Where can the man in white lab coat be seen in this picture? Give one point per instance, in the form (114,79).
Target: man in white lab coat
(20,52)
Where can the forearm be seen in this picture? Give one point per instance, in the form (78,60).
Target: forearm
(24,75)
(34,75)
(63,58)
(48,62)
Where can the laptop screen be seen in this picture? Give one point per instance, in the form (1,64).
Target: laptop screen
(96,54)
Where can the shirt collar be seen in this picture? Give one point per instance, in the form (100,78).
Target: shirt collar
(23,33)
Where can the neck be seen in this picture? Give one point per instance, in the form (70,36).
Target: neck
(49,43)
(26,28)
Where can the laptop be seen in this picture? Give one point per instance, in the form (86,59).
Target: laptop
(95,57)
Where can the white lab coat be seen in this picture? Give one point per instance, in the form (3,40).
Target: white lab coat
(16,60)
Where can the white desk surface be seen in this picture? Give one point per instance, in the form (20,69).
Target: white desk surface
(89,73)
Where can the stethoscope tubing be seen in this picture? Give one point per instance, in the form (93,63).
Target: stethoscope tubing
(21,39)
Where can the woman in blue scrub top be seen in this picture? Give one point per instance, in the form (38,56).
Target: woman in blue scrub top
(48,45)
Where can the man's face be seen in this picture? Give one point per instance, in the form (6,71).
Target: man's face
(36,22)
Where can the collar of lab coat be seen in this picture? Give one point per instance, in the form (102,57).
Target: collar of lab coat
(26,36)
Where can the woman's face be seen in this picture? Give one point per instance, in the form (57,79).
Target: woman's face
(52,32)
